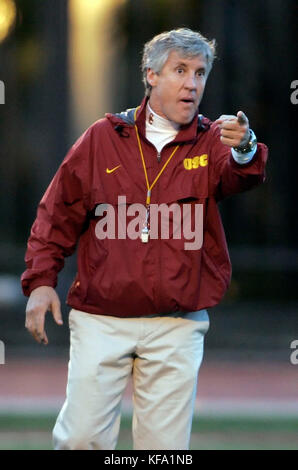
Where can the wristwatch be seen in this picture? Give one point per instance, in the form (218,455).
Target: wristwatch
(251,145)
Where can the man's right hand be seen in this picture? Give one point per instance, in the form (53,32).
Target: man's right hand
(41,300)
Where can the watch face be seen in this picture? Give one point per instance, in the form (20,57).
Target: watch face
(253,142)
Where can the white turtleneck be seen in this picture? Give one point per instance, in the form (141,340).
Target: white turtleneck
(161,131)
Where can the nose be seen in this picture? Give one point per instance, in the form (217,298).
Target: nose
(190,82)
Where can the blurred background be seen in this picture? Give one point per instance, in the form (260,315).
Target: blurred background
(64,64)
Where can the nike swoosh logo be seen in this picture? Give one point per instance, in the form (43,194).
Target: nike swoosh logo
(113,169)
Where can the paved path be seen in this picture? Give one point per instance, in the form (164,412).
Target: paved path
(31,385)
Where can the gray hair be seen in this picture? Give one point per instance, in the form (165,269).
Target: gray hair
(184,41)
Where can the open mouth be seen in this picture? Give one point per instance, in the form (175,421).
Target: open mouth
(187,100)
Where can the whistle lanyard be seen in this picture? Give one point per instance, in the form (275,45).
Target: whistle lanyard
(145,230)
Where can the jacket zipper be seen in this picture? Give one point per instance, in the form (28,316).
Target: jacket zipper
(158,157)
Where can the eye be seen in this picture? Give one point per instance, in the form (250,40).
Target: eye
(180,70)
(201,73)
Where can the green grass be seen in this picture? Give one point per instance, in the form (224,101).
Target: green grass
(33,432)
(26,422)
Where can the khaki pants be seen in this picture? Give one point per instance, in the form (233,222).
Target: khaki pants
(163,354)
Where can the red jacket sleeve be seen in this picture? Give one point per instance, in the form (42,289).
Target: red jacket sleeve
(61,215)
(229,177)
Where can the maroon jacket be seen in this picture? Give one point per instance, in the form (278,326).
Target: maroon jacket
(125,277)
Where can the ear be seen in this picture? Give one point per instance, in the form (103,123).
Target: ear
(152,77)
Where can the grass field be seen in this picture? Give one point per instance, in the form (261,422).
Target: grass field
(32,432)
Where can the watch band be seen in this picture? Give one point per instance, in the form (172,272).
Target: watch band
(251,145)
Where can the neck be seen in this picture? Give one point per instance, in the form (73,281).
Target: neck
(160,121)
(159,131)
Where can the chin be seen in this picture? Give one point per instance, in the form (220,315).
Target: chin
(185,121)
(180,119)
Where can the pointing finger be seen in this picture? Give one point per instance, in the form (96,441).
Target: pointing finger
(242,119)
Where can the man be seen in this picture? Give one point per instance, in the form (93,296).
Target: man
(139,302)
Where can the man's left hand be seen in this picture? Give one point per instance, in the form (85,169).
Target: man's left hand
(234,130)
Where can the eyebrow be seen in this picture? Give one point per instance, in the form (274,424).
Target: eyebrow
(184,64)
(181,64)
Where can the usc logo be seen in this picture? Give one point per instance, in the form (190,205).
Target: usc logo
(195,162)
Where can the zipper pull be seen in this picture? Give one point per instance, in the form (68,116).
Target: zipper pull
(158,157)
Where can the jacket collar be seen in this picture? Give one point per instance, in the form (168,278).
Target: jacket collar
(187,133)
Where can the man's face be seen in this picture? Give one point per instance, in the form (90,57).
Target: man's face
(178,89)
